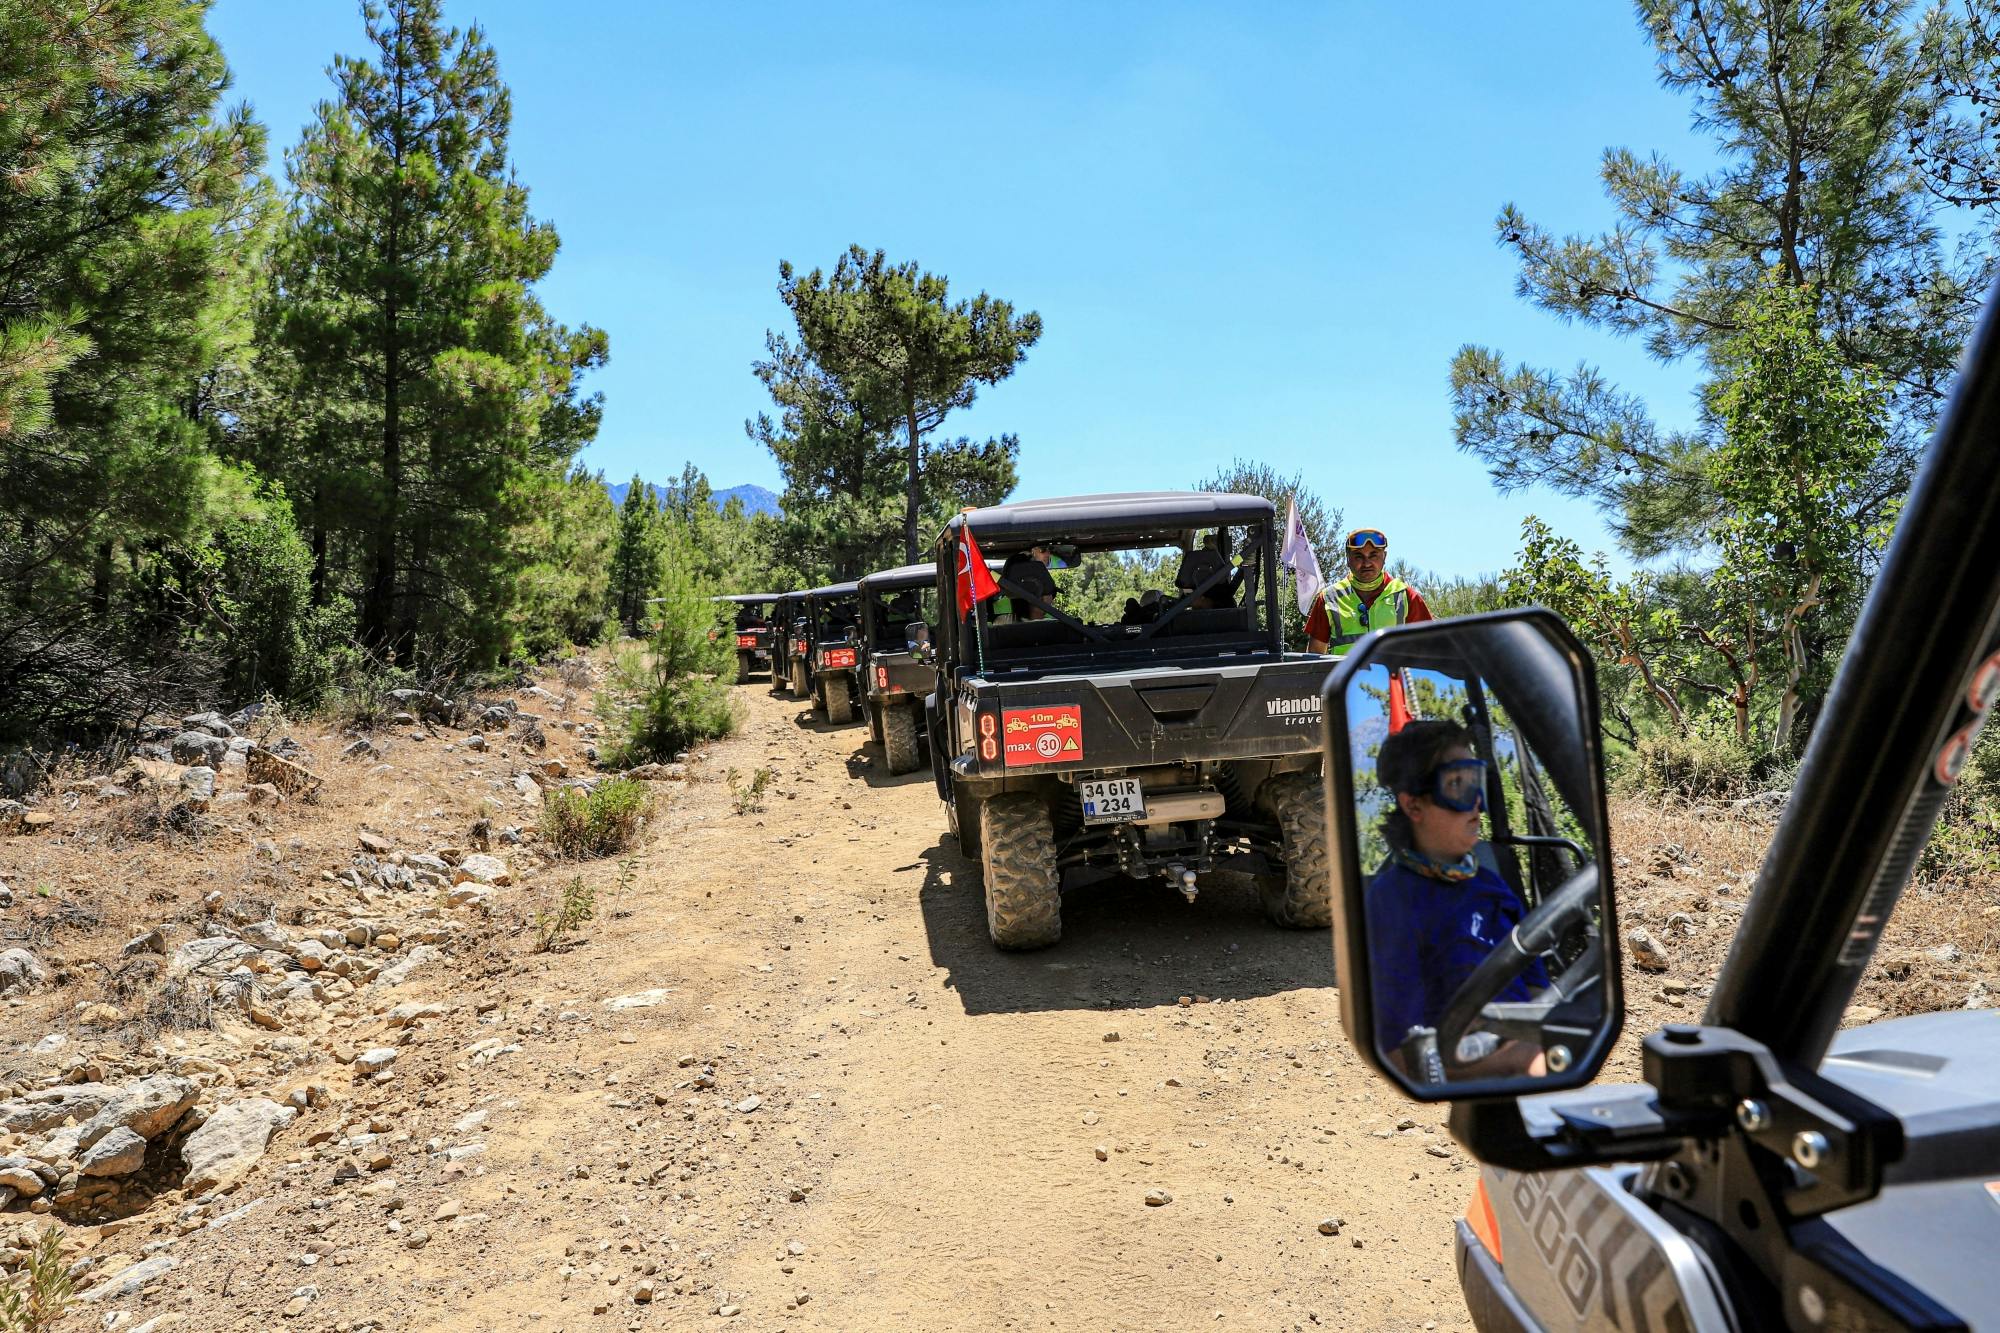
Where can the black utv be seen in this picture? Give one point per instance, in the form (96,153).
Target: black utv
(896,661)
(788,644)
(831,660)
(1166,736)
(751,623)
(1772,1171)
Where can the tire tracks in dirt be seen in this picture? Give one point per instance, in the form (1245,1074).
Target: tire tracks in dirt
(903,1122)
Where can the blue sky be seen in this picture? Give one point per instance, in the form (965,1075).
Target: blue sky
(1249,230)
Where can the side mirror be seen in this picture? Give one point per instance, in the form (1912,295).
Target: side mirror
(1474,934)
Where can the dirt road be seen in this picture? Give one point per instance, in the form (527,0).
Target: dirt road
(848,1111)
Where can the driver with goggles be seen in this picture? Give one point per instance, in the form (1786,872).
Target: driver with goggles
(1434,910)
(1363,599)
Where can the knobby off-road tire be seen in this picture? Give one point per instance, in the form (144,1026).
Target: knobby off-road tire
(839,700)
(1018,858)
(899,739)
(799,688)
(874,721)
(1303,898)
(744,663)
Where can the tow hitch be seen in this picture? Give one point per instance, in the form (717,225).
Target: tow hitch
(1181,878)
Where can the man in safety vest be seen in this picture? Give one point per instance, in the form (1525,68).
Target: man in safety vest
(1366,599)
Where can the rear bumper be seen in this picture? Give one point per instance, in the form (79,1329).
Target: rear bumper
(1488,1298)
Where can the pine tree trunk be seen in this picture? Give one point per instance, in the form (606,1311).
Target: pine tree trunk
(913,496)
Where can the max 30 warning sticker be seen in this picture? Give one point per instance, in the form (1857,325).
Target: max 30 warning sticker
(1051,735)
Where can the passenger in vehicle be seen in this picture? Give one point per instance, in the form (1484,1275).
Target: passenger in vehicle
(749,615)
(1196,567)
(1434,912)
(1029,570)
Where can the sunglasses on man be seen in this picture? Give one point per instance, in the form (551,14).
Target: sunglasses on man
(1366,537)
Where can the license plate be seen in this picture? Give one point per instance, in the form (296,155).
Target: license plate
(840,657)
(1111,800)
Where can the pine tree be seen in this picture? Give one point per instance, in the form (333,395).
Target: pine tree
(636,554)
(1812,109)
(884,350)
(438,390)
(122,193)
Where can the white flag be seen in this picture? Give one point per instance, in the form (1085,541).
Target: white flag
(1299,557)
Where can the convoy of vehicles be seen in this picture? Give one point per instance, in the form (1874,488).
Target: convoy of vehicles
(897,673)
(751,626)
(1172,740)
(788,644)
(1771,1171)
(828,642)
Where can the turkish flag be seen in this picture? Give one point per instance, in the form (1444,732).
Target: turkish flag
(975,580)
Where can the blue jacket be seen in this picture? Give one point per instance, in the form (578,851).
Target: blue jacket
(1425,936)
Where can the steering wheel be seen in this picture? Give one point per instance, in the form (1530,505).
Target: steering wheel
(1473,1003)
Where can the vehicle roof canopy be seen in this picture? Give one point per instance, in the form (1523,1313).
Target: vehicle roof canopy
(742,598)
(1106,522)
(909,576)
(830,591)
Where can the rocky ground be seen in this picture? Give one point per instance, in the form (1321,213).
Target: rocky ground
(284,1052)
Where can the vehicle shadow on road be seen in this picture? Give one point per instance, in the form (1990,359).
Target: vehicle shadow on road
(1131,943)
(866,765)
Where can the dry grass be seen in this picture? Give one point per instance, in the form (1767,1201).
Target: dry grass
(104,873)
(1684,872)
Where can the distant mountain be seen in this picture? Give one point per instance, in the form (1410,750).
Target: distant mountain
(756,499)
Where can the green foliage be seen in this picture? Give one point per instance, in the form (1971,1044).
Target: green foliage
(434,399)
(883,357)
(1801,433)
(122,186)
(1096,590)
(566,553)
(637,556)
(577,906)
(595,822)
(675,691)
(1705,763)
(41,1294)
(1246,476)
(1812,110)
(748,797)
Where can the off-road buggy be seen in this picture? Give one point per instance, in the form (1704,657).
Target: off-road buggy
(897,670)
(788,644)
(1167,738)
(752,629)
(1772,1171)
(830,667)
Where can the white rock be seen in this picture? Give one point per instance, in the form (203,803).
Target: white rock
(119,1153)
(231,1141)
(21,971)
(132,1280)
(42,1110)
(421,956)
(199,782)
(645,999)
(483,869)
(146,1108)
(375,1060)
(212,954)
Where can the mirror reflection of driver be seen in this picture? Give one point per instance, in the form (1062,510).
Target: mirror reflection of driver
(1434,910)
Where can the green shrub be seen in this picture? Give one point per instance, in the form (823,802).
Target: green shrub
(673,692)
(577,823)
(1702,765)
(578,905)
(40,1295)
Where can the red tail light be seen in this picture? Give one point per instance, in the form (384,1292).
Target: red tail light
(746,641)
